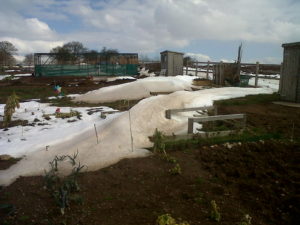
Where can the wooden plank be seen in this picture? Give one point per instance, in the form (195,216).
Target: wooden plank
(192,120)
(204,135)
(170,111)
(219,117)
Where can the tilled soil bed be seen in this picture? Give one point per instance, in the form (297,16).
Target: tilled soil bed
(260,179)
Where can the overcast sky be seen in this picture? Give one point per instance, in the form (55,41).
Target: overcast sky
(207,29)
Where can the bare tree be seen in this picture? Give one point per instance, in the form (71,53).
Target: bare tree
(69,52)
(7,50)
(91,57)
(29,60)
(108,54)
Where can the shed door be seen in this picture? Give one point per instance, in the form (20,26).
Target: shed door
(290,75)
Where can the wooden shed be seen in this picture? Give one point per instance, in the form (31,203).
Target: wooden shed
(171,63)
(290,75)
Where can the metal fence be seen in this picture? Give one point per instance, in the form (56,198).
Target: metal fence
(53,64)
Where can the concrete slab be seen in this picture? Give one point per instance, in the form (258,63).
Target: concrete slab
(290,104)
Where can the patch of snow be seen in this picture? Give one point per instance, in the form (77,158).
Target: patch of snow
(144,72)
(266,83)
(4,76)
(120,78)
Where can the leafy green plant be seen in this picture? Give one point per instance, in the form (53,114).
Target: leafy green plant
(10,107)
(214,214)
(246,220)
(167,219)
(63,188)
(158,139)
(176,170)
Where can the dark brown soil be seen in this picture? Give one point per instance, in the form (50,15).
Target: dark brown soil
(259,179)
(269,117)
(44,85)
(5,164)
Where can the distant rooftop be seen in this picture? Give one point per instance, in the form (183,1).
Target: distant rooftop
(172,52)
(294,44)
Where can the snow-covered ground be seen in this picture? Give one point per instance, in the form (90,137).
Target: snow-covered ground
(138,89)
(268,83)
(16,76)
(114,134)
(22,140)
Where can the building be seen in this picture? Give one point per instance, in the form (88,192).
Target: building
(171,63)
(290,75)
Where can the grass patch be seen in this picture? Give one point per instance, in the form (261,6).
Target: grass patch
(250,99)
(25,92)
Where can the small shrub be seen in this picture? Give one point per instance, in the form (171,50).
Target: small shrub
(10,107)
(246,220)
(176,170)
(167,219)
(158,139)
(214,214)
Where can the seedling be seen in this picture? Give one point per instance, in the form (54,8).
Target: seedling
(167,219)
(214,214)
(176,170)
(246,220)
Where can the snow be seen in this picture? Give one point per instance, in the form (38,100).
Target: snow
(120,78)
(138,89)
(4,76)
(266,83)
(114,132)
(144,72)
(54,131)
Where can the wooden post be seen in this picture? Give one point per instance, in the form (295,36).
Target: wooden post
(207,69)
(190,125)
(256,74)
(131,137)
(221,71)
(186,67)
(196,68)
(96,133)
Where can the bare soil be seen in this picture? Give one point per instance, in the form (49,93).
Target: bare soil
(256,178)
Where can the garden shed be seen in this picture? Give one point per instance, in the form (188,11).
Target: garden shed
(172,63)
(290,76)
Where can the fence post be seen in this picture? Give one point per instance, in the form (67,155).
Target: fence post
(196,68)
(221,71)
(207,69)
(186,67)
(256,73)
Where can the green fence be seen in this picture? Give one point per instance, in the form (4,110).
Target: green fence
(86,70)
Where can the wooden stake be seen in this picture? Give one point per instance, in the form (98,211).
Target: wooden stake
(130,130)
(96,133)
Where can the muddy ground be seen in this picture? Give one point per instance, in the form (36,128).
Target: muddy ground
(260,179)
